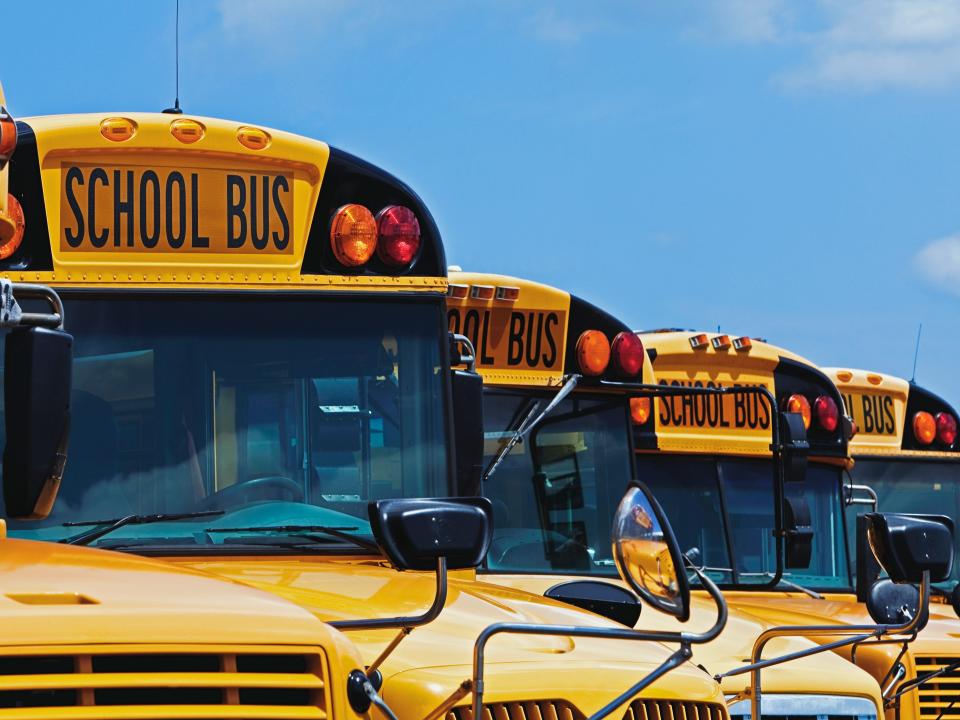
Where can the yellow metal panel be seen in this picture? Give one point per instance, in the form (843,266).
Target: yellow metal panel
(736,425)
(518,342)
(160,679)
(878,405)
(165,712)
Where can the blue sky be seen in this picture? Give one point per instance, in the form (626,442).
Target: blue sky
(781,169)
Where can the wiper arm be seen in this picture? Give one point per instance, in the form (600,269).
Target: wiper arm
(530,422)
(796,586)
(304,531)
(108,526)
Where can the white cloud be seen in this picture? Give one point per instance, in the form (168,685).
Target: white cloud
(751,21)
(861,44)
(550,25)
(939,263)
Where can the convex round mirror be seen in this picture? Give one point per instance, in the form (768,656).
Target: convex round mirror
(647,555)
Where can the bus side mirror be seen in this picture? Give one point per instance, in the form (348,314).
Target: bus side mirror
(467,391)
(647,554)
(907,546)
(415,534)
(37,378)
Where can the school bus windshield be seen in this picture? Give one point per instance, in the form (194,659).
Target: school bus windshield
(272,411)
(721,509)
(911,486)
(555,493)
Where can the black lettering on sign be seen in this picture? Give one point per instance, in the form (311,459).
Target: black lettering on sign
(197,240)
(149,215)
(744,410)
(97,239)
(515,347)
(874,414)
(175,240)
(552,326)
(236,217)
(263,200)
(74,178)
(122,207)
(453,321)
(281,239)
(158,209)
(508,338)
(485,357)
(890,422)
(471,326)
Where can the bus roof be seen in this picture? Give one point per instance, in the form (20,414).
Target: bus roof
(525,333)
(733,424)
(148,199)
(883,408)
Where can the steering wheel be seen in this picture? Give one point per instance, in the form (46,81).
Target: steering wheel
(269,487)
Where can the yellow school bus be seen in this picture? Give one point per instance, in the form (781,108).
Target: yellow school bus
(906,458)
(555,486)
(260,352)
(90,633)
(709,460)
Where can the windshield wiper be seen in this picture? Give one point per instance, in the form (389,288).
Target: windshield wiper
(790,584)
(304,531)
(530,422)
(108,526)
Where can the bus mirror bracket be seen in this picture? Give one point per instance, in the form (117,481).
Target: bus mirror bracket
(794,447)
(38,357)
(910,549)
(467,393)
(644,537)
(424,534)
(798,532)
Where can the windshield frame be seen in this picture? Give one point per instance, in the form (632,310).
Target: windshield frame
(720,462)
(445,467)
(894,459)
(606,401)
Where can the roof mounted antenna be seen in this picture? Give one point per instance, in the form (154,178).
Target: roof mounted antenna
(175,110)
(916,353)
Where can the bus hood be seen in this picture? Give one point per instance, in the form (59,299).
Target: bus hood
(937,643)
(941,635)
(61,594)
(586,686)
(341,589)
(825,673)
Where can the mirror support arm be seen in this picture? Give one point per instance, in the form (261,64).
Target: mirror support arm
(684,652)
(12,316)
(405,624)
(861,633)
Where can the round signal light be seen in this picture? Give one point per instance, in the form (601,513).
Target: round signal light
(797,403)
(353,235)
(12,228)
(639,410)
(626,351)
(946,428)
(398,236)
(828,415)
(8,135)
(924,427)
(593,352)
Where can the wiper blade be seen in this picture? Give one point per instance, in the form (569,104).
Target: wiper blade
(530,422)
(792,585)
(304,531)
(108,526)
